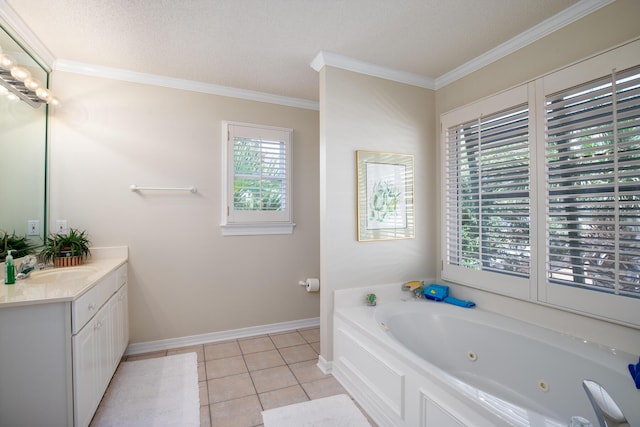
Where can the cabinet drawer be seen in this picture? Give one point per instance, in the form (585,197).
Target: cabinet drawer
(85,307)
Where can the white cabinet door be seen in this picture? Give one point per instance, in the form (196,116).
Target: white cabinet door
(120,324)
(104,349)
(85,368)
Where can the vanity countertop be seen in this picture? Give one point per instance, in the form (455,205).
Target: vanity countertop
(61,284)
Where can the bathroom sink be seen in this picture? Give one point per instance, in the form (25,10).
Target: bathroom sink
(61,274)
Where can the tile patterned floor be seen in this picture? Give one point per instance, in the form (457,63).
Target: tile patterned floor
(240,378)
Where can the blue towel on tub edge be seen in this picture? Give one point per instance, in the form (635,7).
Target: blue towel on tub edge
(436,292)
(635,373)
(459,302)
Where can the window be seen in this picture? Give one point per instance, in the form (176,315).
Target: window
(489,189)
(488,196)
(593,172)
(541,189)
(257,180)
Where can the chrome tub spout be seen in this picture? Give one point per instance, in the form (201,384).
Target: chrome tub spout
(606,409)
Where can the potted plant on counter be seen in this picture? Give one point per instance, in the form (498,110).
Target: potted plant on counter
(66,250)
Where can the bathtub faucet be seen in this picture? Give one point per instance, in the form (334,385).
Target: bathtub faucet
(607,411)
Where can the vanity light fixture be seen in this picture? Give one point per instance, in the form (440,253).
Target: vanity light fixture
(19,84)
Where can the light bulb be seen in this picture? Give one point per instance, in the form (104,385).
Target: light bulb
(53,101)
(20,73)
(7,62)
(32,84)
(12,97)
(43,93)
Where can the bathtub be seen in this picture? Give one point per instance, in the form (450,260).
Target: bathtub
(422,363)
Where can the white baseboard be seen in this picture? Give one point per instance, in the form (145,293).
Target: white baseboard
(150,346)
(325,366)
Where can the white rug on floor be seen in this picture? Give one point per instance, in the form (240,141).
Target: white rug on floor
(152,392)
(334,411)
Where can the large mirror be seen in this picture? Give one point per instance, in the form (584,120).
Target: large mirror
(23,148)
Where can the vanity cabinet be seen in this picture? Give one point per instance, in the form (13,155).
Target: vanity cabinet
(97,348)
(58,355)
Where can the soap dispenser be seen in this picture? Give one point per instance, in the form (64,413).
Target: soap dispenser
(9,270)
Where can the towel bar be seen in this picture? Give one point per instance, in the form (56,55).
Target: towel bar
(134,187)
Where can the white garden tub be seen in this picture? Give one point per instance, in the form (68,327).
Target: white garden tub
(423,363)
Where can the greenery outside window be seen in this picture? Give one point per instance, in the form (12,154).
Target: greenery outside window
(257,179)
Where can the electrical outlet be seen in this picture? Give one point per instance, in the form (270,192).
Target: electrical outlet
(61,226)
(33,227)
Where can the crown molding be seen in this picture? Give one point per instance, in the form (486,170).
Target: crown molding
(546,27)
(183,84)
(324,58)
(566,17)
(16,27)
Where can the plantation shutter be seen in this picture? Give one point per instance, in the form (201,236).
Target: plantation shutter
(593,200)
(260,173)
(487,174)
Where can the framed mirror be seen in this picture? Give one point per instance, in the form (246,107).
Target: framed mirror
(23,156)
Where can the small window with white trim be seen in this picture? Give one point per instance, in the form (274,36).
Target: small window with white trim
(256,179)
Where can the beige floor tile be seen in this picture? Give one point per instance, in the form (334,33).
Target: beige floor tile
(242,412)
(263,360)
(298,353)
(230,387)
(221,350)
(151,355)
(310,335)
(202,371)
(204,393)
(287,339)
(273,379)
(283,397)
(197,349)
(223,367)
(205,416)
(323,388)
(255,345)
(315,346)
(307,371)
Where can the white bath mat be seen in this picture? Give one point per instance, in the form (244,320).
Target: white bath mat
(334,411)
(152,392)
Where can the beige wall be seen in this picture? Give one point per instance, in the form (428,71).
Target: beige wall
(360,112)
(601,30)
(185,278)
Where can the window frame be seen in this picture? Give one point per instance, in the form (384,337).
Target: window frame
(254,222)
(537,288)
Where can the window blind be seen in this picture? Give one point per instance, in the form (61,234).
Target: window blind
(259,181)
(593,173)
(487,167)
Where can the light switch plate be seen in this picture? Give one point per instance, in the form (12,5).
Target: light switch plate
(61,226)
(33,227)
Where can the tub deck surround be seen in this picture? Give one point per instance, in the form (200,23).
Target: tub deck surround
(414,362)
(53,285)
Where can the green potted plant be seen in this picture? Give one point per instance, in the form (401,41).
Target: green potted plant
(66,250)
(19,245)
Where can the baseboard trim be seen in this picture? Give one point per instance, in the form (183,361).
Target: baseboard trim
(150,346)
(325,366)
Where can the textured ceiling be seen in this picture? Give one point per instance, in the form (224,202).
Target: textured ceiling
(267,45)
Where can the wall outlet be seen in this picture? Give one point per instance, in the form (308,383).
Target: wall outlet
(61,226)
(33,227)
